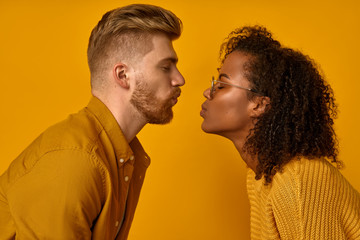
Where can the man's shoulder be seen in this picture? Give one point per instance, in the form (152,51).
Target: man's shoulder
(78,131)
(67,143)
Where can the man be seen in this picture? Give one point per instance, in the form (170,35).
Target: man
(81,178)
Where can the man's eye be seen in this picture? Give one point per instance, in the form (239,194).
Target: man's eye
(165,68)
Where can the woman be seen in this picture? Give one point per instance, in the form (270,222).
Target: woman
(276,108)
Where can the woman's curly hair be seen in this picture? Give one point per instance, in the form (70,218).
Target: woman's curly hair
(299,121)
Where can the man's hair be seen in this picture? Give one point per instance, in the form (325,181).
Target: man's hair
(125,33)
(299,121)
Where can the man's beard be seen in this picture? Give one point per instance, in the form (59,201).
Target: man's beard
(154,110)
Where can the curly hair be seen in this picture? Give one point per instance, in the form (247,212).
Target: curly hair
(299,119)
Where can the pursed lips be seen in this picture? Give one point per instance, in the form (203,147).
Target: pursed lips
(175,97)
(203,110)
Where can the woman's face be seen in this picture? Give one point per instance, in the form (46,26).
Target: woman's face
(228,111)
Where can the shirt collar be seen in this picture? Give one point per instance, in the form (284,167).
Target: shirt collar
(122,148)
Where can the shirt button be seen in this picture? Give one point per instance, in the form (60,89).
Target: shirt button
(132,158)
(117,223)
(121,160)
(126,178)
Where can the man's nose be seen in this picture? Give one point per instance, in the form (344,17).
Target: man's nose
(178,80)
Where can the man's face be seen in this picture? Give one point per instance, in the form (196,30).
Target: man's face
(227,113)
(158,82)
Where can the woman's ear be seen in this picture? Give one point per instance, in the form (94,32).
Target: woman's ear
(119,74)
(261,104)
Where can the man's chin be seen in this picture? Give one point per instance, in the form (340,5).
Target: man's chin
(161,120)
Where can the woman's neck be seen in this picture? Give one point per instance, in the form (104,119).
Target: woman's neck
(250,160)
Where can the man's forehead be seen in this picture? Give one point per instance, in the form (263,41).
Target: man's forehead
(161,40)
(162,50)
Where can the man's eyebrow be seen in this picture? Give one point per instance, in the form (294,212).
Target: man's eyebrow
(170,59)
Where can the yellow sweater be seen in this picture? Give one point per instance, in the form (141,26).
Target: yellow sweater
(309,199)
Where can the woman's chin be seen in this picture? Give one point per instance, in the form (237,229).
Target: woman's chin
(208,129)
(205,128)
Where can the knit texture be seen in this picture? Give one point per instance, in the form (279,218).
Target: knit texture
(309,199)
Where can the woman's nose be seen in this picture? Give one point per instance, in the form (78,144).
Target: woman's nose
(207,93)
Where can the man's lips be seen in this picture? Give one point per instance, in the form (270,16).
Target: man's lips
(175,97)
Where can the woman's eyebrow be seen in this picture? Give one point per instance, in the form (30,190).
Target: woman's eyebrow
(224,75)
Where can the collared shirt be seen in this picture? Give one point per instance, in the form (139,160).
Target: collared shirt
(79,179)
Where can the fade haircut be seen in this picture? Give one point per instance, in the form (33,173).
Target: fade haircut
(125,34)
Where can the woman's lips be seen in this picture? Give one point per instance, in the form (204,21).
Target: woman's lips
(202,112)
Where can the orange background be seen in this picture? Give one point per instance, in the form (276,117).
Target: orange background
(195,186)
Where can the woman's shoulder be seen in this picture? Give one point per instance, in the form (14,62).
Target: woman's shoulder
(304,176)
(305,168)
(313,175)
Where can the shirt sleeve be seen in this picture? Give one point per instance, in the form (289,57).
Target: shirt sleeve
(314,201)
(285,201)
(58,198)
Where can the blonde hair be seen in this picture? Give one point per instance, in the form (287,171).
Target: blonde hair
(125,33)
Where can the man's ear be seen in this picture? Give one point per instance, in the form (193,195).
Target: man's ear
(261,104)
(119,74)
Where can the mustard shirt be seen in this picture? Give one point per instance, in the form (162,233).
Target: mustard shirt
(80,179)
(309,199)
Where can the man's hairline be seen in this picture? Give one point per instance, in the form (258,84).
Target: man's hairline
(174,59)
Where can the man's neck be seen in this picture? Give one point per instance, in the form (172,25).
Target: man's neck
(130,123)
(129,120)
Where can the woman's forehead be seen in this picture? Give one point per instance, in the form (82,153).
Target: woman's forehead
(234,65)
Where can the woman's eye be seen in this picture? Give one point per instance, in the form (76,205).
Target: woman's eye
(220,86)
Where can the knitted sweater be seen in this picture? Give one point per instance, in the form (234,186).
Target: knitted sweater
(309,199)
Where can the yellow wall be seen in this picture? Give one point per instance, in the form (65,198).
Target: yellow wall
(195,186)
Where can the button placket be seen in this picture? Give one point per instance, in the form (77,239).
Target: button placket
(127,171)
